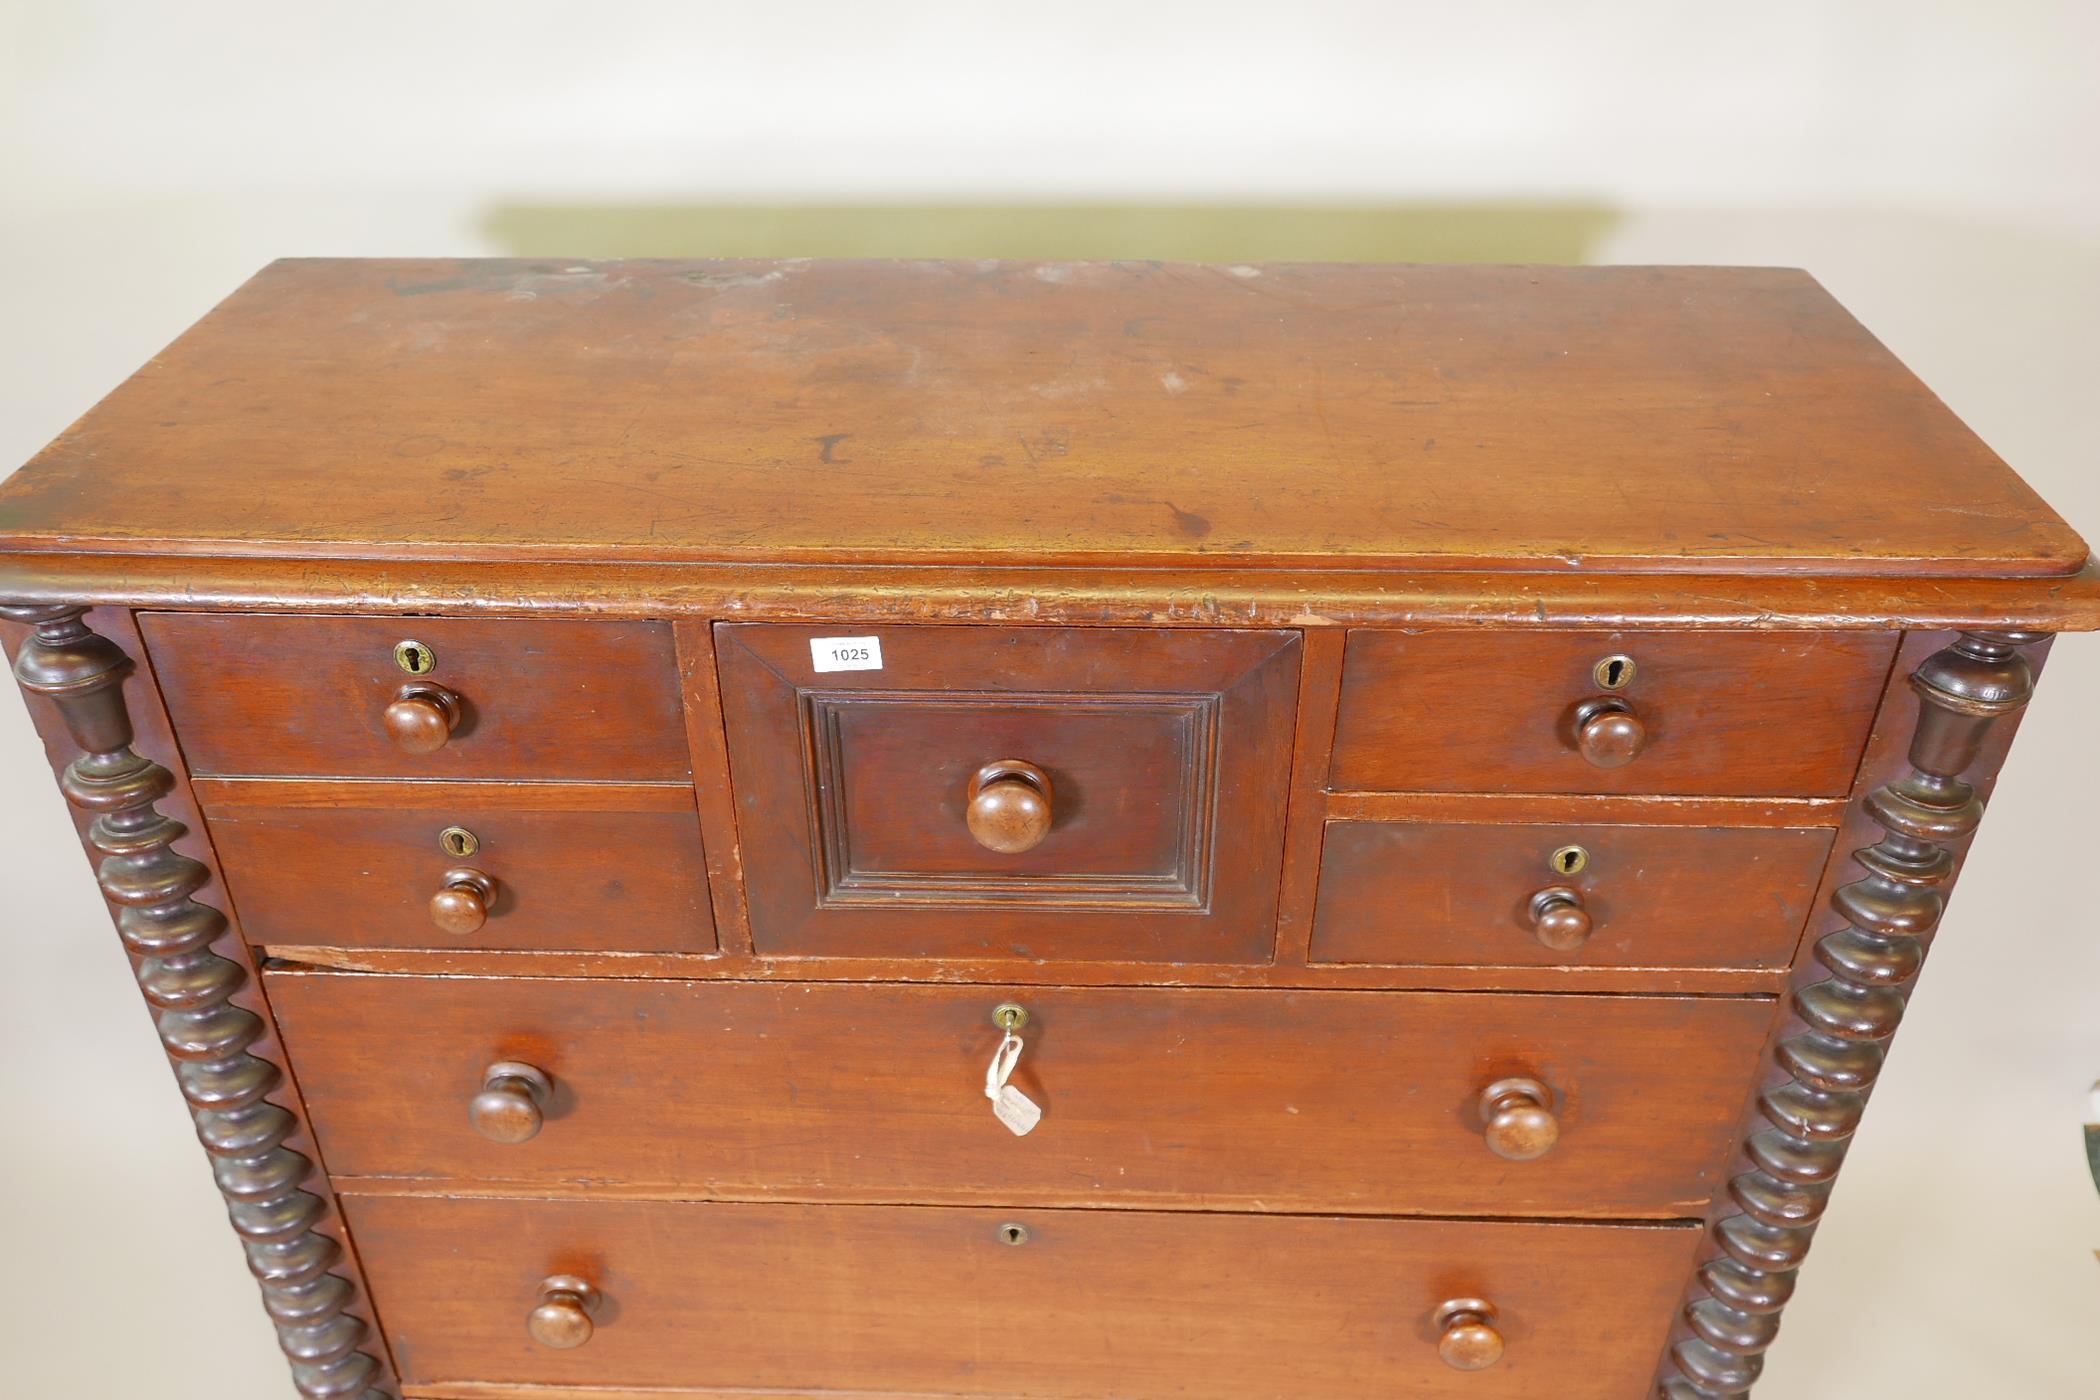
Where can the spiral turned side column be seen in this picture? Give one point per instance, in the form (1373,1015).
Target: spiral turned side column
(192,990)
(1829,1054)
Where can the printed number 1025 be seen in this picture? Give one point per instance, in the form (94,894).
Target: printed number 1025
(845,653)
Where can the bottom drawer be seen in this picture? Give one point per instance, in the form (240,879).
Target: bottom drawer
(923,1300)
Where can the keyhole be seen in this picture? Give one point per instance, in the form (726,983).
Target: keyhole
(1568,860)
(1013,1234)
(1614,672)
(415,658)
(458,841)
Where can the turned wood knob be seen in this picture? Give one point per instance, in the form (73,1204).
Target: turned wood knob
(1608,733)
(421,718)
(1009,806)
(1558,918)
(1519,1118)
(512,1104)
(563,1318)
(1469,1341)
(463,901)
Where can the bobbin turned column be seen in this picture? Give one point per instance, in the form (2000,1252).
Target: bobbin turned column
(192,989)
(1829,1052)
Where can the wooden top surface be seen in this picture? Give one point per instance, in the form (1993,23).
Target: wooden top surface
(1718,420)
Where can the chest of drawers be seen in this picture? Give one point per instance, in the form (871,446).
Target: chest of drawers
(1027,830)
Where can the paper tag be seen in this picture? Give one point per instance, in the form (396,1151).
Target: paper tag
(1016,1110)
(1010,1106)
(845,653)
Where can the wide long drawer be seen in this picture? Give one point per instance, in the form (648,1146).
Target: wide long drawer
(1374,1102)
(1012,1302)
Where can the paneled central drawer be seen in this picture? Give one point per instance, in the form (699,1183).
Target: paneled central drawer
(1035,793)
(1374,1102)
(800,1299)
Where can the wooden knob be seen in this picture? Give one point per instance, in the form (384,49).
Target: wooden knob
(1009,806)
(1469,1341)
(421,718)
(1519,1118)
(1608,733)
(463,901)
(512,1104)
(1558,918)
(563,1318)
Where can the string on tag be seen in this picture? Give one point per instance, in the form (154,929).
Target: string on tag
(1003,1061)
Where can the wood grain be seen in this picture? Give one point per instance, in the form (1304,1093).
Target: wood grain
(711,784)
(1780,714)
(1305,596)
(303,696)
(1319,685)
(313,869)
(1180,1098)
(1126,1303)
(733,967)
(1068,413)
(1605,809)
(1168,754)
(1407,892)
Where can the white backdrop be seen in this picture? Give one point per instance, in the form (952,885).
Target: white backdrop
(1953,108)
(1933,164)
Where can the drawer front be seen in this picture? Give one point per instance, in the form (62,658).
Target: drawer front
(1462,895)
(1133,1304)
(1012,792)
(1767,714)
(453,865)
(327,697)
(1231,1099)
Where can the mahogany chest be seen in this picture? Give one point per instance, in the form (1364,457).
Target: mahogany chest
(1027,830)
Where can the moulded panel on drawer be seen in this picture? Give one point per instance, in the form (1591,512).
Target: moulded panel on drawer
(1036,793)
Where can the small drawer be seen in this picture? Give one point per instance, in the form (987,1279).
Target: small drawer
(1011,792)
(1179,1098)
(799,1299)
(421,697)
(1759,714)
(555,866)
(1463,895)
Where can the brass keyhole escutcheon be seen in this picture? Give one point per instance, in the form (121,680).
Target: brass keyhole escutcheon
(458,841)
(1009,1016)
(415,658)
(1614,672)
(1568,860)
(1012,1233)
